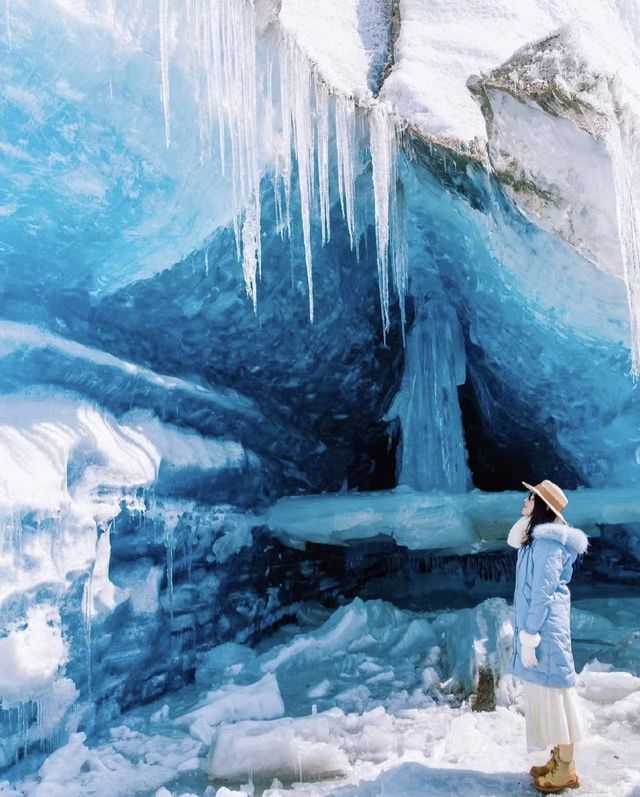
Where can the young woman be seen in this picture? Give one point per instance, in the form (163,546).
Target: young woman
(542,659)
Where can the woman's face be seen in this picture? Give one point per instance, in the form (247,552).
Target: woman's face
(527,505)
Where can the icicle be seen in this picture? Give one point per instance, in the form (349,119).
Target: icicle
(164,66)
(322,127)
(296,79)
(624,145)
(250,246)
(346,153)
(399,251)
(382,144)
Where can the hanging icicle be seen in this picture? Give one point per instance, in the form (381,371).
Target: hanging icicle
(383,147)
(231,96)
(322,131)
(345,115)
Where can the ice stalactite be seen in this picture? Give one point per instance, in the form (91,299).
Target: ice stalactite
(219,37)
(295,76)
(238,48)
(251,252)
(345,115)
(399,250)
(624,146)
(282,156)
(383,147)
(322,122)
(222,43)
(87,611)
(433,447)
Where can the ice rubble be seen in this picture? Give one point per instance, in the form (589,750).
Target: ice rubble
(387,717)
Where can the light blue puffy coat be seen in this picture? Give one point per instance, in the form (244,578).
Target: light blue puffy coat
(542,601)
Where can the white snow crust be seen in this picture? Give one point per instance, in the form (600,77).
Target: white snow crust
(437,51)
(390,720)
(343,37)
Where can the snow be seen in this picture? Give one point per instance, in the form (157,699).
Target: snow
(31,654)
(437,51)
(344,38)
(62,451)
(414,738)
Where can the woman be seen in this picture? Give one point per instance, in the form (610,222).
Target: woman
(547,548)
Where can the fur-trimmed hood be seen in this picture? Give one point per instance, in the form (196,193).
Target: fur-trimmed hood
(560,532)
(564,534)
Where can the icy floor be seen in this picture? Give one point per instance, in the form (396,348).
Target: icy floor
(355,704)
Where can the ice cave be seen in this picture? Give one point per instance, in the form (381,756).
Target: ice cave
(294,295)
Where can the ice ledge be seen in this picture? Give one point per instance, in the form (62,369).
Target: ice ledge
(549,115)
(458,524)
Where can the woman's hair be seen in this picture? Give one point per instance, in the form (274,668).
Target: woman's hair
(541,514)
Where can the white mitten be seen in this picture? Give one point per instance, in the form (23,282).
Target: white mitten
(528,645)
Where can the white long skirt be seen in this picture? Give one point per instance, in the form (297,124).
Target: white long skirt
(553,716)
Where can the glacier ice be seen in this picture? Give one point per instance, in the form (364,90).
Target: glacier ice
(420,720)
(185,187)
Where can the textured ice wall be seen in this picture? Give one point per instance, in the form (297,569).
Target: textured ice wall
(137,372)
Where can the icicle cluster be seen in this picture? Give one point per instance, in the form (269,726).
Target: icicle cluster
(232,96)
(221,38)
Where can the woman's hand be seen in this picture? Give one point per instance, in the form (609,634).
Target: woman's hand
(528,645)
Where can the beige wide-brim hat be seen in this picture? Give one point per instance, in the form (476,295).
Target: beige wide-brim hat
(551,494)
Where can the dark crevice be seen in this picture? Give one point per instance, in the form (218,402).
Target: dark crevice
(505,447)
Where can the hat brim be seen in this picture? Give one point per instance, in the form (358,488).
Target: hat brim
(539,494)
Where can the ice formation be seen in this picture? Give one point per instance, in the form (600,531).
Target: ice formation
(293,291)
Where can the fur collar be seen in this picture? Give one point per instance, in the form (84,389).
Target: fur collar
(564,534)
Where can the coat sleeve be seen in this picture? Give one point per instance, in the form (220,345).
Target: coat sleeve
(547,569)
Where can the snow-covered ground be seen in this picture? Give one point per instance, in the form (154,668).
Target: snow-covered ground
(357,703)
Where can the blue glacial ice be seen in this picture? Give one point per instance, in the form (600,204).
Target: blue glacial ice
(289,307)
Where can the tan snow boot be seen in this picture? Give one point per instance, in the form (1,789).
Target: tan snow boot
(537,772)
(560,776)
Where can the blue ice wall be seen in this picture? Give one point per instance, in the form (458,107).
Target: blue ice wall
(121,294)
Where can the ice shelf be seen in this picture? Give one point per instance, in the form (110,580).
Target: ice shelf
(468,523)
